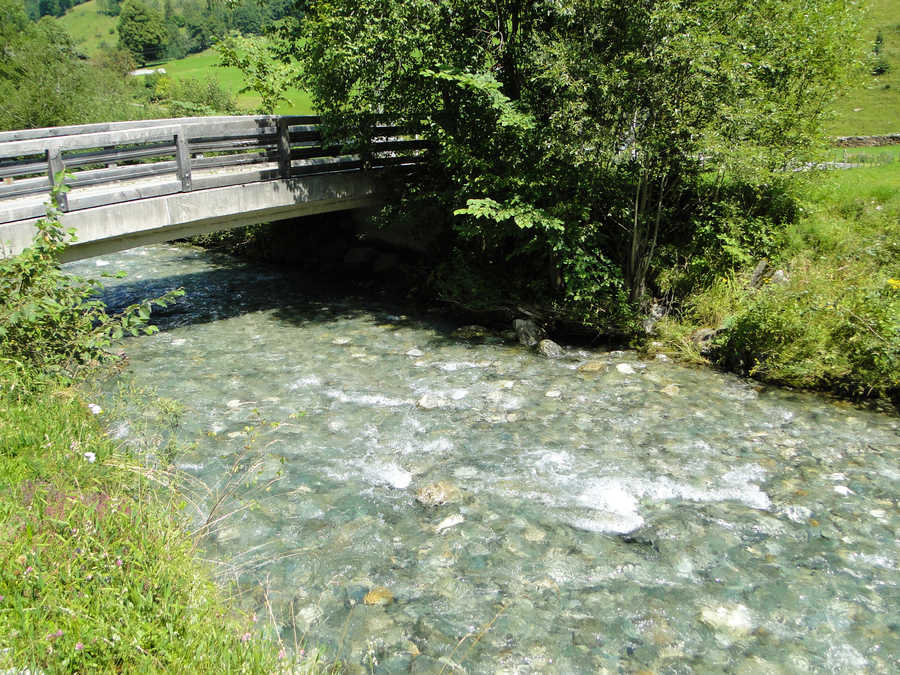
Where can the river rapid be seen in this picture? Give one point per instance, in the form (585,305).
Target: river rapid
(601,513)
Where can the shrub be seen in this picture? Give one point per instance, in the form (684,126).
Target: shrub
(53,322)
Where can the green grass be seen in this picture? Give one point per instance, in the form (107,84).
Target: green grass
(95,571)
(873,106)
(835,324)
(93,32)
(204,64)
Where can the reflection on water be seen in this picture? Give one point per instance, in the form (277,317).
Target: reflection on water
(649,517)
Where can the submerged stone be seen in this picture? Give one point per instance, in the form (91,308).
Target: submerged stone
(438,494)
(378,596)
(593,367)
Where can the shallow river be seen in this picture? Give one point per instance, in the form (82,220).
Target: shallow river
(623,515)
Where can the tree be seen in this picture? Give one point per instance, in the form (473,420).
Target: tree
(585,134)
(44,82)
(142,31)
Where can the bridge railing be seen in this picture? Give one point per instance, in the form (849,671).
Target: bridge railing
(122,161)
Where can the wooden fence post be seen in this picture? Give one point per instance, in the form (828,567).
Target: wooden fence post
(56,165)
(284,148)
(183,160)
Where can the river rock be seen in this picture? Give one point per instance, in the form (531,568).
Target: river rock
(625,368)
(473,332)
(378,596)
(438,494)
(431,401)
(734,619)
(528,333)
(448,522)
(671,390)
(703,338)
(593,367)
(780,277)
(549,349)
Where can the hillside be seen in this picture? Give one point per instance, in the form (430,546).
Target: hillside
(873,106)
(93,32)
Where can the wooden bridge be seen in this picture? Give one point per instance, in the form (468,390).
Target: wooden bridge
(135,183)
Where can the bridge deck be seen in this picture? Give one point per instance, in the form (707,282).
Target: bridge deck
(131,183)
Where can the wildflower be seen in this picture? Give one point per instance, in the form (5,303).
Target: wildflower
(94,408)
(79,646)
(29,569)
(894,283)
(55,635)
(1,598)
(245,637)
(282,654)
(118,562)
(90,457)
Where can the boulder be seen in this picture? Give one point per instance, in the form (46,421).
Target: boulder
(703,338)
(549,349)
(528,333)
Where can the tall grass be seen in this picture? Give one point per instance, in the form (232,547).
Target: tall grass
(835,323)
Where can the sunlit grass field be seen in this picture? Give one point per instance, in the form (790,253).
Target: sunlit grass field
(873,105)
(204,65)
(93,32)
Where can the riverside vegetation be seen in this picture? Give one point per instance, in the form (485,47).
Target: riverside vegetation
(599,161)
(97,570)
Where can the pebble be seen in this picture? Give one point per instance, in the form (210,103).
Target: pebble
(341,341)
(379,596)
(593,367)
(448,522)
(733,619)
(553,393)
(625,368)
(438,494)
(431,401)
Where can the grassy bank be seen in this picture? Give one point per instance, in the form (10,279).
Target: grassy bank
(831,321)
(96,571)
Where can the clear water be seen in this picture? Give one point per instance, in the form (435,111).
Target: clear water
(606,521)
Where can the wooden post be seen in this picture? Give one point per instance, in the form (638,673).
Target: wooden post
(284,148)
(55,166)
(183,160)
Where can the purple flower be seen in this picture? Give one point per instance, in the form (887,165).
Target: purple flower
(245,637)
(79,646)
(118,562)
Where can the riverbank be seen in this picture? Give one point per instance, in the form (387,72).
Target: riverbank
(822,313)
(97,571)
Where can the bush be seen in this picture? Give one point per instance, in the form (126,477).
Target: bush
(52,322)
